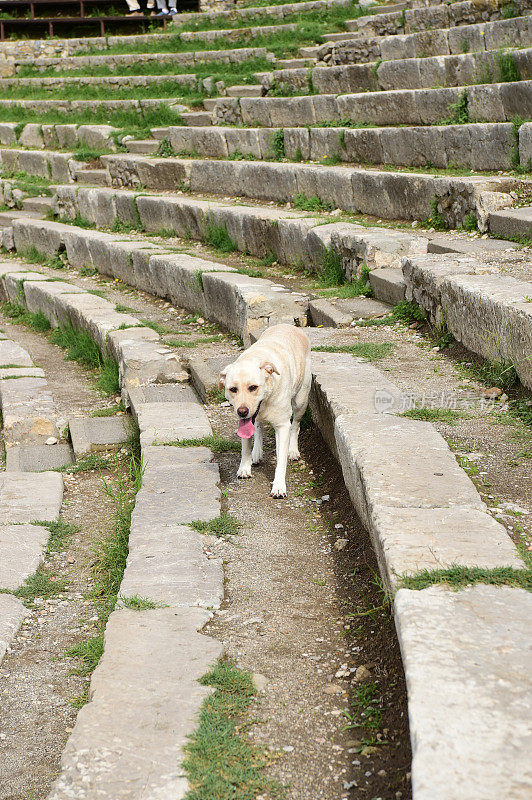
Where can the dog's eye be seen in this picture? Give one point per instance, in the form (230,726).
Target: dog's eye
(253,388)
(233,390)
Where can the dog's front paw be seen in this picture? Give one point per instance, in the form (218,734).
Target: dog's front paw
(294,455)
(244,472)
(278,490)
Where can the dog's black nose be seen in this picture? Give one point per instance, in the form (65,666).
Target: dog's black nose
(242,411)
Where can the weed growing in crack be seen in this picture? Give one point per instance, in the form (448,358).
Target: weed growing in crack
(434,415)
(370,351)
(136,603)
(41,584)
(224,525)
(60,533)
(215,443)
(457,577)
(218,238)
(18,313)
(220,760)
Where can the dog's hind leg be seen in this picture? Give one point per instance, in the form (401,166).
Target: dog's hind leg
(256,453)
(299,406)
(282,436)
(244,470)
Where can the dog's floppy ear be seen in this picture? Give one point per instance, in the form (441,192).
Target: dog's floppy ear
(221,380)
(269,368)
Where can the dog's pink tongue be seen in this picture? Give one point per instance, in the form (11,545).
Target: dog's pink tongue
(246,428)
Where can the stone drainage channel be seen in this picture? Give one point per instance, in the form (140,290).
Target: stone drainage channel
(293,562)
(306,672)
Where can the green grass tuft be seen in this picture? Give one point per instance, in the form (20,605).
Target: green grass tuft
(60,533)
(218,238)
(458,577)
(224,525)
(136,603)
(221,762)
(370,351)
(215,443)
(434,415)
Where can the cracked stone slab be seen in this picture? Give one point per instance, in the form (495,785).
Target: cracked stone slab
(128,741)
(467,658)
(166,422)
(25,497)
(167,564)
(21,552)
(92,434)
(12,612)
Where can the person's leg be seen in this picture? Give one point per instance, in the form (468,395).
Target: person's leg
(134,8)
(163,8)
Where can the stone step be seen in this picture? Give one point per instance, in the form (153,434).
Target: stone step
(452,244)
(502,33)
(222,294)
(512,222)
(494,102)
(210,103)
(419,73)
(7,217)
(235,34)
(110,82)
(94,434)
(142,146)
(248,90)
(98,177)
(64,64)
(41,163)
(335,313)
(413,20)
(258,230)
(476,146)
(483,309)
(197,118)
(392,195)
(39,205)
(294,63)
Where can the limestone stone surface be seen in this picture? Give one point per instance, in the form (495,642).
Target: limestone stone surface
(178,494)
(388,285)
(144,703)
(90,434)
(467,663)
(204,373)
(37,457)
(25,497)
(166,422)
(21,552)
(168,565)
(12,612)
(408,540)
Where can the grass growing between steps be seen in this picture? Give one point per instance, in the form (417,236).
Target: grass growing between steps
(35,320)
(220,760)
(60,533)
(110,555)
(370,351)
(137,122)
(81,347)
(41,584)
(215,443)
(434,415)
(224,525)
(458,577)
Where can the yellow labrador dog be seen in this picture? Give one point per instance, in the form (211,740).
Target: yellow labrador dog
(270,382)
